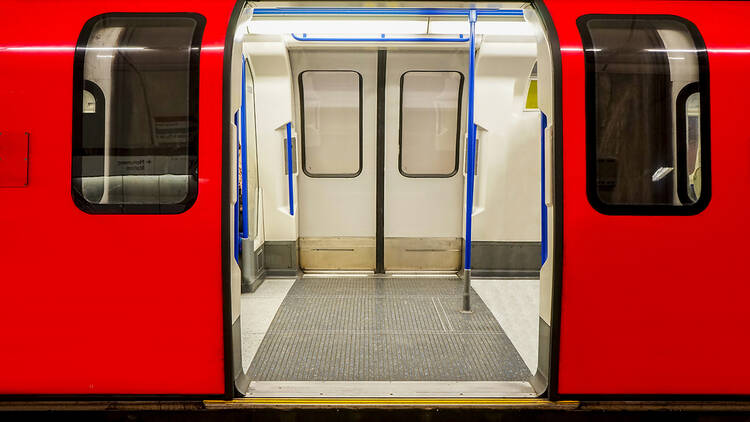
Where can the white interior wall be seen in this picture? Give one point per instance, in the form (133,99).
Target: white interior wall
(546,102)
(255,199)
(507,186)
(269,63)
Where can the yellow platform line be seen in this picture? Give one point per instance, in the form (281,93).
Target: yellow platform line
(387,401)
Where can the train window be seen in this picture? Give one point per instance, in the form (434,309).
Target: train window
(689,143)
(647,114)
(430,123)
(135,114)
(331,102)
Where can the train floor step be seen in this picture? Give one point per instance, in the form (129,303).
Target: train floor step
(384,329)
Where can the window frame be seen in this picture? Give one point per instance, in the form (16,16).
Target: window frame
(193,116)
(458,127)
(302,124)
(681,147)
(591,122)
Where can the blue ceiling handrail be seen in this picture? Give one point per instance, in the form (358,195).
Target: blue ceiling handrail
(383,38)
(372,11)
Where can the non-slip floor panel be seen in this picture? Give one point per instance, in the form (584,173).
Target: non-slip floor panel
(384,329)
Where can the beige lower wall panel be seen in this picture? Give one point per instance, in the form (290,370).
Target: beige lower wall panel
(337,253)
(422,253)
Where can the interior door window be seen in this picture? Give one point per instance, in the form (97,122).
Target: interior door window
(331,123)
(430,123)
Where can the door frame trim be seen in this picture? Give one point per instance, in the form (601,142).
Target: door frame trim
(230,335)
(553,41)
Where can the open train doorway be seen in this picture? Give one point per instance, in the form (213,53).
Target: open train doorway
(391,239)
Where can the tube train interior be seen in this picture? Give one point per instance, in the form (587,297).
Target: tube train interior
(371,110)
(372,199)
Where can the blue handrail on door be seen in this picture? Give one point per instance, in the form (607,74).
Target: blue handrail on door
(289,166)
(245,231)
(237,234)
(544,181)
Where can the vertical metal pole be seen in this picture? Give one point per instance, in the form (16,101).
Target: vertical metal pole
(471,150)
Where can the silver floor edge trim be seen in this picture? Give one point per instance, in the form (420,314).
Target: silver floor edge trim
(388,274)
(346,389)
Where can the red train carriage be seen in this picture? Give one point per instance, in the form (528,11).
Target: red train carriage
(160,241)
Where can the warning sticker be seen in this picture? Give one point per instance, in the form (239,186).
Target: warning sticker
(171,129)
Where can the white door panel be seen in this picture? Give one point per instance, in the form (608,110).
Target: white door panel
(336,196)
(426,208)
(340,206)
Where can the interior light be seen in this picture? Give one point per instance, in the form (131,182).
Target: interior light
(486,27)
(338,26)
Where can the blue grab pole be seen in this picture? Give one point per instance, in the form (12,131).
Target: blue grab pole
(471,151)
(289,166)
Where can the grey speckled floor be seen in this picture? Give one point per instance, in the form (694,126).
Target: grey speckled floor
(384,329)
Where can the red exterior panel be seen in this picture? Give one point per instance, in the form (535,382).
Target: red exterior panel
(132,304)
(103,304)
(656,304)
(14,159)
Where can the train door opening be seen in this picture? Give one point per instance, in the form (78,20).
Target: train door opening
(354,277)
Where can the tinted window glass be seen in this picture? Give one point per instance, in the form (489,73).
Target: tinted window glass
(636,67)
(689,143)
(693,141)
(430,123)
(331,123)
(135,123)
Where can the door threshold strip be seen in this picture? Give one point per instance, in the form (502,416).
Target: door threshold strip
(402,389)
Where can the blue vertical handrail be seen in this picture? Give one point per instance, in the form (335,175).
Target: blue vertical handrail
(471,150)
(245,231)
(289,166)
(237,242)
(544,182)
